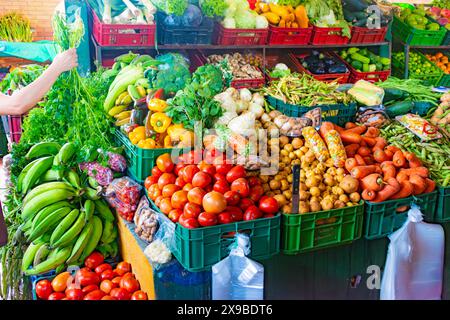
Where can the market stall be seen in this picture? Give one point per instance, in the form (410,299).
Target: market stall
(274,133)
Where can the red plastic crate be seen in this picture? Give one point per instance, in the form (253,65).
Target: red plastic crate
(339,77)
(366,35)
(122,34)
(299,36)
(328,36)
(368,76)
(107,63)
(15,128)
(237,37)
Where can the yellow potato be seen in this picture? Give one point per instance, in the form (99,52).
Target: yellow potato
(315,191)
(312,182)
(274,184)
(264,178)
(304,149)
(290,178)
(340,171)
(315,206)
(284,153)
(327,204)
(277,191)
(286,209)
(285,185)
(344,198)
(339,204)
(297,143)
(322,187)
(288,147)
(278,177)
(288,194)
(292,155)
(355,197)
(304,207)
(281,200)
(283,140)
(304,195)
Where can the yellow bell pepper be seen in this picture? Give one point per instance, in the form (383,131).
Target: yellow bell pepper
(175,130)
(137,135)
(157,105)
(160,122)
(186,139)
(148,143)
(168,142)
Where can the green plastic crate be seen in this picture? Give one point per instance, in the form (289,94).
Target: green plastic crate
(443,205)
(336,113)
(413,36)
(140,162)
(199,249)
(431,79)
(318,230)
(382,218)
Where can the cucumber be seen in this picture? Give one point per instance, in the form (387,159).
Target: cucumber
(365,67)
(399,108)
(360,57)
(352,50)
(392,94)
(357,64)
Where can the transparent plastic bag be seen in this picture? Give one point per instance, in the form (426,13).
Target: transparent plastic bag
(123,194)
(415,261)
(238,277)
(146,220)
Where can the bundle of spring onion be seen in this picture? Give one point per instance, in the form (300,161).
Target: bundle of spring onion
(15,27)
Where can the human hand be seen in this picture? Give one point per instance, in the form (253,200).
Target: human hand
(65,60)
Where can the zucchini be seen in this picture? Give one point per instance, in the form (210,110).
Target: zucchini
(360,57)
(357,64)
(392,94)
(352,50)
(365,67)
(399,108)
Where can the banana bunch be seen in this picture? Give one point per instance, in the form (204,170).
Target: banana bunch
(63,220)
(134,92)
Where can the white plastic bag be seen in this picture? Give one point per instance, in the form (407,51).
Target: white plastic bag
(237,277)
(415,261)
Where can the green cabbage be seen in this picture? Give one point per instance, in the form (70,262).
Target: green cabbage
(245,19)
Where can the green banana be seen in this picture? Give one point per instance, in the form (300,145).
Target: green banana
(133,92)
(92,182)
(94,239)
(103,210)
(91,194)
(48,186)
(141,59)
(81,242)
(35,172)
(143,82)
(43,149)
(89,208)
(126,58)
(64,225)
(72,233)
(51,175)
(108,228)
(74,179)
(49,222)
(24,173)
(44,199)
(59,258)
(115,66)
(25,226)
(114,249)
(104,249)
(41,255)
(45,238)
(29,254)
(66,153)
(43,213)
(113,236)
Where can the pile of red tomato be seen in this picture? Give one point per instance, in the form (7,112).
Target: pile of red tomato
(97,280)
(207,192)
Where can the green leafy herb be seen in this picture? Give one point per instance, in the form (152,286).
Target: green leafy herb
(213,8)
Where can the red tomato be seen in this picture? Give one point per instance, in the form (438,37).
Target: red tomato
(206,219)
(106,286)
(94,295)
(59,283)
(149,181)
(236,213)
(165,179)
(153,192)
(188,187)
(263,197)
(195,195)
(225,217)
(241,186)
(108,275)
(108,298)
(128,274)
(56,296)
(190,223)
(165,206)
(103,267)
(188,173)
(236,173)
(220,177)
(158,199)
(254,181)
(156,172)
(269,205)
(123,267)
(207,168)
(178,167)
(191,210)
(245,203)
(201,179)
(44,289)
(256,193)
(180,182)
(252,213)
(175,214)
(179,199)
(94,260)
(169,190)
(221,186)
(130,284)
(232,198)
(116,280)
(120,294)
(74,294)
(89,288)
(222,166)
(214,202)
(209,188)
(164,163)
(86,278)
(139,295)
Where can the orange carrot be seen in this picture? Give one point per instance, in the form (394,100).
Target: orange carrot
(338,129)
(420,171)
(402,176)
(431,185)
(351,149)
(380,156)
(389,171)
(350,137)
(388,191)
(373,181)
(363,143)
(360,172)
(399,159)
(389,154)
(350,163)
(368,195)
(369,141)
(364,151)
(380,143)
(369,160)
(372,132)
(392,149)
(386,163)
(413,161)
(419,183)
(406,190)
(325,127)
(350,125)
(358,129)
(360,160)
